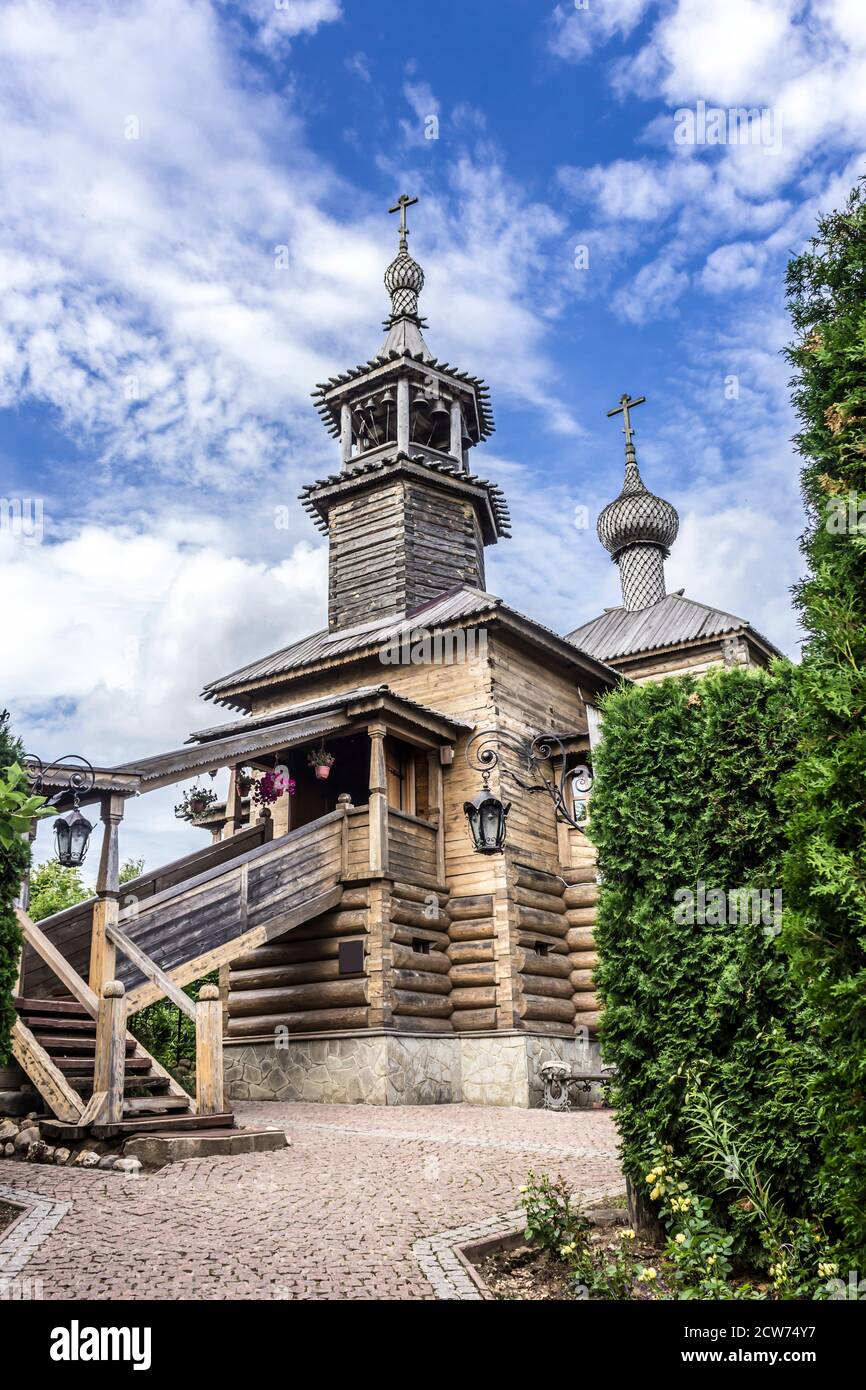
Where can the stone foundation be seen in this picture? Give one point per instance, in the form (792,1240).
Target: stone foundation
(378,1068)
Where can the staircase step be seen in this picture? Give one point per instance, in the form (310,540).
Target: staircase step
(29,1007)
(80,1027)
(167,1124)
(73,1065)
(153,1085)
(60,1043)
(171,1146)
(160,1105)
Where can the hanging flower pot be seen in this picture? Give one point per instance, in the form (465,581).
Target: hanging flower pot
(271,786)
(243,782)
(195,803)
(321,762)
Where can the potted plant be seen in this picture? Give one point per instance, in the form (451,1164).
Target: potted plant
(243,781)
(194,803)
(272,785)
(321,762)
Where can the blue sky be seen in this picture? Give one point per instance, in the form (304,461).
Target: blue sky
(156,364)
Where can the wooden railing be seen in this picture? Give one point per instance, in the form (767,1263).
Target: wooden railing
(70,930)
(412,847)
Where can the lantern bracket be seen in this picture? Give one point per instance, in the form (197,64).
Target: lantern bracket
(538,756)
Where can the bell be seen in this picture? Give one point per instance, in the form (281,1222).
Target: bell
(420,401)
(440,409)
(387,396)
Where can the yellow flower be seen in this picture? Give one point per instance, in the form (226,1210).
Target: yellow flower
(566,1249)
(627,1235)
(647,1275)
(711,1259)
(651,1177)
(658,1191)
(826,1269)
(679,1238)
(524,1188)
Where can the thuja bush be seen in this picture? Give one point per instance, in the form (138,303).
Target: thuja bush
(692,978)
(825,875)
(15,802)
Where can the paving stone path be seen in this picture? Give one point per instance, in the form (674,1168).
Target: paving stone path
(362,1204)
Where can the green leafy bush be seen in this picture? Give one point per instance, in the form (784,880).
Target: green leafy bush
(17,807)
(685,803)
(825,872)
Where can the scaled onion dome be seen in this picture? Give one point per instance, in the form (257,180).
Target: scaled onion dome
(637,516)
(404,280)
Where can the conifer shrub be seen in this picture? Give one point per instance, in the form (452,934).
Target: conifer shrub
(692,978)
(825,871)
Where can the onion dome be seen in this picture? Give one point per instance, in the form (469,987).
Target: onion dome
(637,516)
(404,281)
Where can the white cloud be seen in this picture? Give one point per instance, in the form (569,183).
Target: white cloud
(277,22)
(577,29)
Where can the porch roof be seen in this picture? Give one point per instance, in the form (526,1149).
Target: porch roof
(268,734)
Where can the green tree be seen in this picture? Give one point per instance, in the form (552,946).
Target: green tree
(53,888)
(17,807)
(684,803)
(825,876)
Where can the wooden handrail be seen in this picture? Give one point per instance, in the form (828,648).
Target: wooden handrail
(77,987)
(151,970)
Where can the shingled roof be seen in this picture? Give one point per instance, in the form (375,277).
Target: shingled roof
(673,621)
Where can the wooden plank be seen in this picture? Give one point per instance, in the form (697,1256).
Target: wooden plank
(58,963)
(49,1081)
(152,972)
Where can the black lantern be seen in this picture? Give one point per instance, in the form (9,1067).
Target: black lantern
(487,816)
(72,830)
(71,838)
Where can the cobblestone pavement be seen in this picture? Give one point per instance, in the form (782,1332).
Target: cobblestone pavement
(342,1213)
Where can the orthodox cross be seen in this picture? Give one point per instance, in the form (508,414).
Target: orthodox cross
(403,202)
(625,405)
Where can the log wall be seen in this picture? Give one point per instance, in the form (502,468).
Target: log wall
(471,955)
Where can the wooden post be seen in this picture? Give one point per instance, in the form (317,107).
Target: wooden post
(403,415)
(106,907)
(436,802)
(234,811)
(23,902)
(109,1070)
(344,804)
(378,800)
(345,432)
(457,432)
(209,1052)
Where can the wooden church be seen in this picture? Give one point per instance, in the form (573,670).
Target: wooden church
(412,921)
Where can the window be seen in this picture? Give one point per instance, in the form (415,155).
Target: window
(420,945)
(542,948)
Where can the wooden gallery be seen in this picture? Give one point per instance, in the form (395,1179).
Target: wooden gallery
(399,894)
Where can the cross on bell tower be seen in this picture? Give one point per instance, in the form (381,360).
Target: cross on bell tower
(625,405)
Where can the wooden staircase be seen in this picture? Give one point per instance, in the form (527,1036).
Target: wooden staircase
(94,1075)
(66,1033)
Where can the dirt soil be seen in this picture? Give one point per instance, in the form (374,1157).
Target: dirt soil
(8,1214)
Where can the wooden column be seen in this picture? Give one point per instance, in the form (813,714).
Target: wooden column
(436,802)
(234,810)
(105,909)
(378,800)
(457,432)
(109,1072)
(345,432)
(403,415)
(209,1052)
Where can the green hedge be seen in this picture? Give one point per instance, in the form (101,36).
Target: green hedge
(685,788)
(825,875)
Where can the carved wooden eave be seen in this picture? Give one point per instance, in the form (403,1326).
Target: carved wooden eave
(317,498)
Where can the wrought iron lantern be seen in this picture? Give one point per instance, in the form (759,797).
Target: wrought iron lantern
(72,830)
(71,838)
(487,816)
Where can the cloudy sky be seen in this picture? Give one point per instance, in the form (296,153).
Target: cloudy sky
(193,232)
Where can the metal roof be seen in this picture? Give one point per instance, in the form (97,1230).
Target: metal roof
(329,702)
(165,768)
(675,619)
(325,390)
(451,609)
